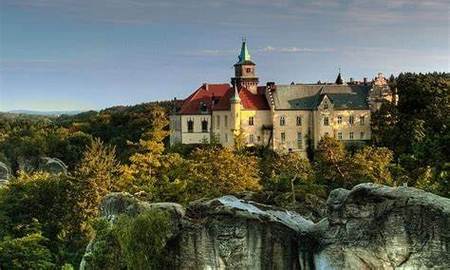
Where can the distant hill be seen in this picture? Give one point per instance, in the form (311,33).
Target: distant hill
(45,113)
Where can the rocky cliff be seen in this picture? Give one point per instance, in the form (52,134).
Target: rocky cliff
(368,227)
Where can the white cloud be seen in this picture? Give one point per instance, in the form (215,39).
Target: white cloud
(270,49)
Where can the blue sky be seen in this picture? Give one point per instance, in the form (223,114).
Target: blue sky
(86,54)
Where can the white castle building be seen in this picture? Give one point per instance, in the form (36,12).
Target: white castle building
(283,117)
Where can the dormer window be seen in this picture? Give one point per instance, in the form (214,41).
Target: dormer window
(203,107)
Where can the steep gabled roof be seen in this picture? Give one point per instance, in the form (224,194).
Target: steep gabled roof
(248,100)
(309,96)
(203,95)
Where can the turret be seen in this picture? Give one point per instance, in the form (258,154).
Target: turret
(235,103)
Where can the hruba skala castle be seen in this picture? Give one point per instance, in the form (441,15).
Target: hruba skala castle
(284,117)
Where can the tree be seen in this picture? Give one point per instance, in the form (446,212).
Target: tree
(27,252)
(96,175)
(42,204)
(142,172)
(215,172)
(294,168)
(143,239)
(371,164)
(331,163)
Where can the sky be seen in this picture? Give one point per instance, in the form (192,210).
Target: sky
(92,54)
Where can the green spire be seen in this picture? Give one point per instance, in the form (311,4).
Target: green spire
(235,98)
(244,55)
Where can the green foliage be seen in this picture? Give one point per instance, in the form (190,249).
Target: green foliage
(216,171)
(143,239)
(336,167)
(331,163)
(418,129)
(45,204)
(371,164)
(27,252)
(105,253)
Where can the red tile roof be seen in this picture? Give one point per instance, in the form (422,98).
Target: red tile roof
(249,101)
(253,102)
(204,94)
(222,94)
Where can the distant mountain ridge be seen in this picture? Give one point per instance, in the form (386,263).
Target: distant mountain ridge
(45,113)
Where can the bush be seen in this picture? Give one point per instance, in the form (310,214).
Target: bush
(28,252)
(143,239)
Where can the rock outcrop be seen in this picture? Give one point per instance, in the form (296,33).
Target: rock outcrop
(52,165)
(368,227)
(379,227)
(5,173)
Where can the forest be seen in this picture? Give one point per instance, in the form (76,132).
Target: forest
(49,218)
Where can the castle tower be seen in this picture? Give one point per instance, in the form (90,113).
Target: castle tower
(244,71)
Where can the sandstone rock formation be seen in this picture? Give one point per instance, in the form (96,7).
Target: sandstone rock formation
(5,173)
(379,227)
(368,227)
(52,165)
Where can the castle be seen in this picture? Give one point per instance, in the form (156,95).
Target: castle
(284,117)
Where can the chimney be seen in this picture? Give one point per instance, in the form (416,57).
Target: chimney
(365,80)
(351,80)
(205,85)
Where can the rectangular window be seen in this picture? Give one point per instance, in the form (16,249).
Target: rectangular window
(218,122)
(361,120)
(283,137)
(190,124)
(226,137)
(351,119)
(326,121)
(258,138)
(205,126)
(299,140)
(282,121)
(361,135)
(339,119)
(226,121)
(351,136)
(299,120)
(251,121)
(339,135)
(251,138)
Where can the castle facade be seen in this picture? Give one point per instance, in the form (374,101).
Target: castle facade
(289,117)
